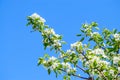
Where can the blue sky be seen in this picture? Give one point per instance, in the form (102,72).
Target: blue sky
(20,49)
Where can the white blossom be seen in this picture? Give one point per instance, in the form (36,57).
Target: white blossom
(70,51)
(52,31)
(81,57)
(116,59)
(104,62)
(61,55)
(71,70)
(87,29)
(55,41)
(111,72)
(57,35)
(54,65)
(98,51)
(76,44)
(49,31)
(105,56)
(74,69)
(87,63)
(95,58)
(57,44)
(119,69)
(104,71)
(44,62)
(68,70)
(52,59)
(94,33)
(116,36)
(36,16)
(66,65)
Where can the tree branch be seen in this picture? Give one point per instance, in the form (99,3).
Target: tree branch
(82,69)
(76,75)
(84,56)
(91,77)
(80,76)
(102,74)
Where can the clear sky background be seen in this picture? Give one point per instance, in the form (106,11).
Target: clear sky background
(20,49)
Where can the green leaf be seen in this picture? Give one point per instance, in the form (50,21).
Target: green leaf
(49,71)
(82,30)
(114,31)
(56,73)
(46,56)
(41,27)
(66,77)
(82,39)
(28,24)
(94,24)
(94,63)
(45,45)
(90,39)
(88,45)
(40,61)
(46,26)
(62,52)
(110,49)
(106,73)
(78,35)
(87,71)
(63,42)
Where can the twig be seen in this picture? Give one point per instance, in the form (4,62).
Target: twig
(102,74)
(76,75)
(80,76)
(82,69)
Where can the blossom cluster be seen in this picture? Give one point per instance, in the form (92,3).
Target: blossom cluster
(100,57)
(53,63)
(77,46)
(50,38)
